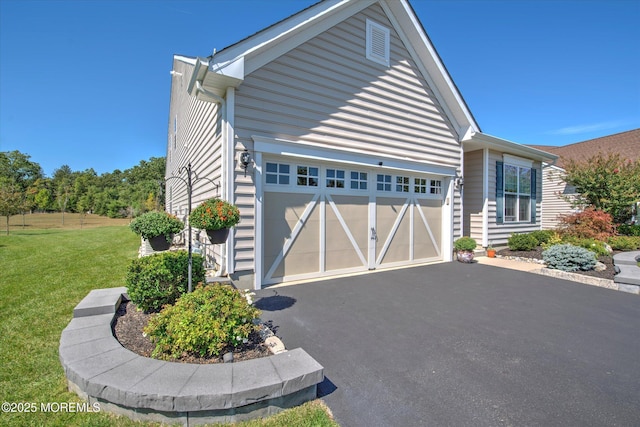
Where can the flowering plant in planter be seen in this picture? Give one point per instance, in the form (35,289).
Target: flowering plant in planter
(214,214)
(152,224)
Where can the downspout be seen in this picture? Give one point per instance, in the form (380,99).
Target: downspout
(223,108)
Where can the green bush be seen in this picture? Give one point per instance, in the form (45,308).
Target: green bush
(522,242)
(465,244)
(205,322)
(152,224)
(161,278)
(596,246)
(629,230)
(543,236)
(624,243)
(568,257)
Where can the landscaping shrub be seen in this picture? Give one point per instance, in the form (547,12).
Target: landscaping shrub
(161,278)
(567,257)
(597,247)
(543,236)
(555,239)
(588,224)
(465,244)
(624,243)
(629,230)
(152,224)
(205,322)
(522,242)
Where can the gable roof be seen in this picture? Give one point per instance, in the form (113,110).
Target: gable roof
(626,144)
(228,67)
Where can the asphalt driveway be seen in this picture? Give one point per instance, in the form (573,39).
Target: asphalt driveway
(466,345)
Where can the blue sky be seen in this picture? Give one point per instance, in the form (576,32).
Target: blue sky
(86,83)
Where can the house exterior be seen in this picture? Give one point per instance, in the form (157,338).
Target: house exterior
(557,194)
(363,153)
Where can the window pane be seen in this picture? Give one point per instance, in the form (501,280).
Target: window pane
(284,168)
(363,185)
(331,173)
(272,179)
(313,182)
(272,167)
(363,176)
(354,185)
(510,179)
(510,203)
(340,174)
(302,170)
(525,203)
(525,181)
(284,179)
(313,171)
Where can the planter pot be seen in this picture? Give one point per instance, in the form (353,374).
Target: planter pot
(218,236)
(465,256)
(160,243)
(491,253)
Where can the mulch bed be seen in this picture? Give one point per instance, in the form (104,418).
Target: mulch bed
(128,328)
(609,273)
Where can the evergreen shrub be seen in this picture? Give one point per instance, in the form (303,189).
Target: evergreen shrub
(206,322)
(629,229)
(543,236)
(522,242)
(624,243)
(159,279)
(567,257)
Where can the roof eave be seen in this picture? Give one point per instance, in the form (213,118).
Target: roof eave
(478,140)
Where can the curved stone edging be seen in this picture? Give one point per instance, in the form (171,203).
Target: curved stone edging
(100,370)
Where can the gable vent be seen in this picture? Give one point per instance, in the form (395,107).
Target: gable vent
(377,43)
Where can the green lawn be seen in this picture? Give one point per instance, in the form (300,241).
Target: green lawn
(43,275)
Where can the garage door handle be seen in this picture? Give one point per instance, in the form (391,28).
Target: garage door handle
(374,236)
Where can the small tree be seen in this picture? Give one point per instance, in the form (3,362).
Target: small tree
(11,199)
(607,182)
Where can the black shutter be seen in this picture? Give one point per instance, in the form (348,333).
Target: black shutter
(499,193)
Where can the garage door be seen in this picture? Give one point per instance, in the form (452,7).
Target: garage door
(323,219)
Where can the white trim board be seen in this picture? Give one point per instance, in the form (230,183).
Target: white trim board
(309,151)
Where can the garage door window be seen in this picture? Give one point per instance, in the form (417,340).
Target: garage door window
(383,182)
(435,186)
(335,178)
(307,176)
(402,184)
(420,185)
(358,180)
(277,173)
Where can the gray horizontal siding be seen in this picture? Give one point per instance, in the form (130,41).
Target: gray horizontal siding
(553,203)
(326,92)
(197,142)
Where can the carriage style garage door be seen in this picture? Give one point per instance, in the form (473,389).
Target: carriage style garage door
(322,219)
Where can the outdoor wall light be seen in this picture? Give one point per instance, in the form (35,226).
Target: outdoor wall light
(245,159)
(459,182)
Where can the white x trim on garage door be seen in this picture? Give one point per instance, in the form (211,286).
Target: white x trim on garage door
(319,217)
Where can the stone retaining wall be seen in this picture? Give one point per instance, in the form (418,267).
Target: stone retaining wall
(100,370)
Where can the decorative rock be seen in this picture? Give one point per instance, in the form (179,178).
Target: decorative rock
(275,345)
(228,357)
(600,266)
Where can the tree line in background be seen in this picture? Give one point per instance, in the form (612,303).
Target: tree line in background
(24,188)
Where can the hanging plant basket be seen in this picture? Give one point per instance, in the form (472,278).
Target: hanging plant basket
(160,243)
(218,236)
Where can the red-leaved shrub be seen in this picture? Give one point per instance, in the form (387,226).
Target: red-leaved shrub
(588,224)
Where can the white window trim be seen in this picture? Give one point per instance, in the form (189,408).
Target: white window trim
(374,27)
(519,164)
